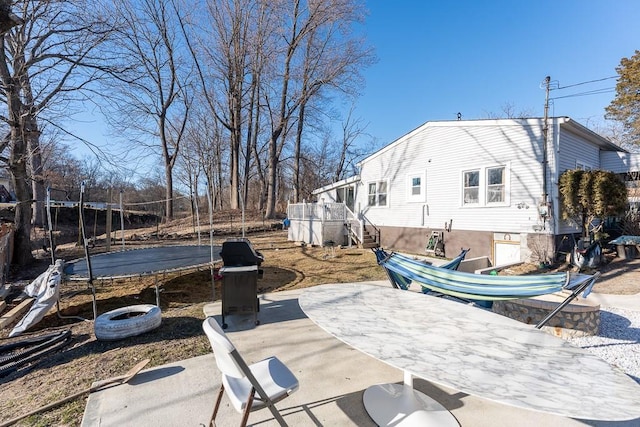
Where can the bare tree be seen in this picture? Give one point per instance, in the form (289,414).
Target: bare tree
(207,147)
(152,98)
(318,52)
(508,110)
(46,65)
(348,153)
(232,47)
(332,61)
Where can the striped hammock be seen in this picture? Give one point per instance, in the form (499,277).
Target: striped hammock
(403,282)
(403,270)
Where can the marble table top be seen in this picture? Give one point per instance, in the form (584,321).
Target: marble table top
(473,351)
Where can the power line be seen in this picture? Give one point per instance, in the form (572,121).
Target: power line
(591,92)
(587,82)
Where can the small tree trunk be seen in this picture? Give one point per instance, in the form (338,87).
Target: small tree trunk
(169,193)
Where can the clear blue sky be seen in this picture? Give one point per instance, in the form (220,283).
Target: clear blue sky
(438,58)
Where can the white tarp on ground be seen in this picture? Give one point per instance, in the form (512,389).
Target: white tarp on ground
(45,289)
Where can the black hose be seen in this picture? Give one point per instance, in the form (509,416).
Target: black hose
(39,345)
(12,367)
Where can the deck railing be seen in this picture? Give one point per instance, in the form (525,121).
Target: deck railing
(334,212)
(324,212)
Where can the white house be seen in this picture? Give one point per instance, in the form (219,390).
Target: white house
(488,185)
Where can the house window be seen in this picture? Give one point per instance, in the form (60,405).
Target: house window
(378,193)
(346,195)
(582,166)
(416,186)
(471,187)
(495,185)
(416,189)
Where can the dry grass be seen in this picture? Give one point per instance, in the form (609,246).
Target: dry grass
(182,299)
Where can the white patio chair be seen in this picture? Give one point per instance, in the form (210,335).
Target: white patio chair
(269,378)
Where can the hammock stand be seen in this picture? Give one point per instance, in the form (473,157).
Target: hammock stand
(402,271)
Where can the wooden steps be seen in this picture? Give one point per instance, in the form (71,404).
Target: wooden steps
(368,241)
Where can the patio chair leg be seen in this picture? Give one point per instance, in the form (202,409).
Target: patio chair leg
(247,409)
(215,408)
(276,414)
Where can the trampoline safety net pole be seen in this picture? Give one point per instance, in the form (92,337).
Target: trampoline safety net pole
(157,291)
(85,243)
(198,218)
(122,219)
(50,225)
(211,270)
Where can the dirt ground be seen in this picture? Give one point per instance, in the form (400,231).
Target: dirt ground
(182,298)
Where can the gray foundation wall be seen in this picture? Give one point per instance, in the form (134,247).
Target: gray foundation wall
(414,240)
(541,247)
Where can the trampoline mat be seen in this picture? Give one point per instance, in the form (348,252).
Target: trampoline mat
(144,261)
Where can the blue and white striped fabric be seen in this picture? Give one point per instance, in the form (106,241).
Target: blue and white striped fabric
(473,286)
(403,282)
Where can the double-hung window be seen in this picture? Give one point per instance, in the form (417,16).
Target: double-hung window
(495,185)
(471,187)
(486,186)
(583,166)
(377,193)
(416,187)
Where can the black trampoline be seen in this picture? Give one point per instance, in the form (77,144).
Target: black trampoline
(143,261)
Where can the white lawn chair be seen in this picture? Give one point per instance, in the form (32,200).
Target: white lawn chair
(270,378)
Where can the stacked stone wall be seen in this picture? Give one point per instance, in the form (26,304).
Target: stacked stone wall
(574,320)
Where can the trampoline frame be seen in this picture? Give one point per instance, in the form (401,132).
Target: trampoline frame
(138,274)
(89,278)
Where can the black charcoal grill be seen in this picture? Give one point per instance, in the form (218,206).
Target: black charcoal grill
(240,274)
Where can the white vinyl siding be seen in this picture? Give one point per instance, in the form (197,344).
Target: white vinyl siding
(443,151)
(574,151)
(619,162)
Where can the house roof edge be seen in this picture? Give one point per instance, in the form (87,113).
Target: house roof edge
(349,180)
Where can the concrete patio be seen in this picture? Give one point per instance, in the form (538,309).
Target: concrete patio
(332,375)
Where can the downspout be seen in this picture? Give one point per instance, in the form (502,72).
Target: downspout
(545,132)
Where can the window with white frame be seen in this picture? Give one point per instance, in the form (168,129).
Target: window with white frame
(471,187)
(486,186)
(377,193)
(582,166)
(496,185)
(416,188)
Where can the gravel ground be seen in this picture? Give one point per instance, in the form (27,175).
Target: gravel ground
(618,342)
